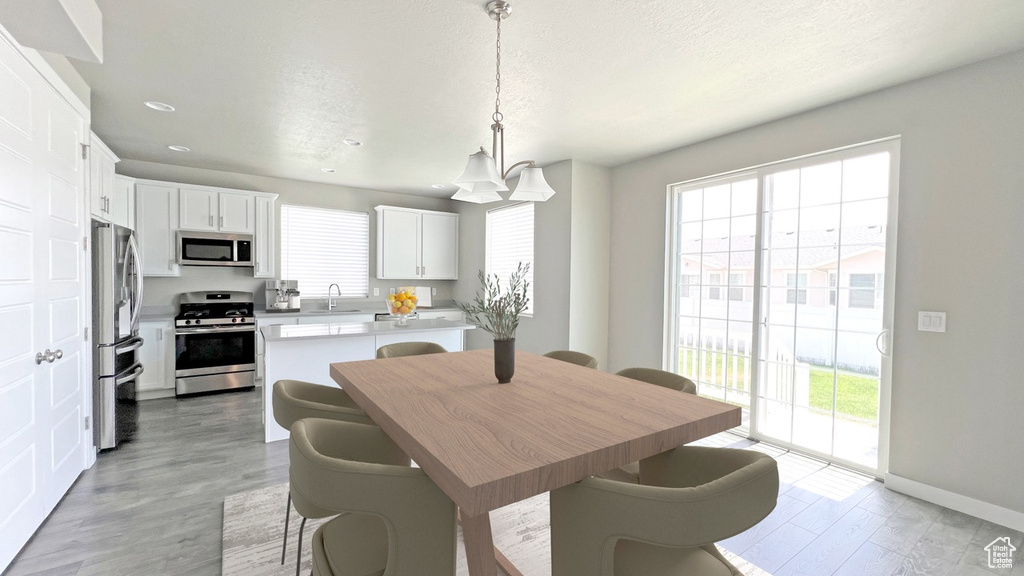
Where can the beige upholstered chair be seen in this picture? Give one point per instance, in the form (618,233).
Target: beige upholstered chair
(409,349)
(692,497)
(573,357)
(294,400)
(631,472)
(660,378)
(393,518)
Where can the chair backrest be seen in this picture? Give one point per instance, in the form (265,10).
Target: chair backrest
(337,467)
(660,378)
(573,357)
(409,349)
(692,496)
(293,400)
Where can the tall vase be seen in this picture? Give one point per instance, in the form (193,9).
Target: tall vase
(504,360)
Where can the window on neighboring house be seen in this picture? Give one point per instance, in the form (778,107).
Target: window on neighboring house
(689,284)
(320,247)
(863,288)
(735,286)
(796,288)
(714,291)
(509,242)
(833,281)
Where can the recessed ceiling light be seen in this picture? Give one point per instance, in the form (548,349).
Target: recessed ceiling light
(328,170)
(352,142)
(180,148)
(437,186)
(159,106)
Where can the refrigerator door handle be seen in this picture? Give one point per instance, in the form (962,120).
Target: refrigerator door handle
(136,370)
(137,299)
(130,346)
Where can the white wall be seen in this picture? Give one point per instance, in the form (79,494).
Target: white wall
(957,399)
(161,291)
(590,239)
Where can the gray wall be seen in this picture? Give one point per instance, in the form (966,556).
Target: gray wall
(956,396)
(161,291)
(589,264)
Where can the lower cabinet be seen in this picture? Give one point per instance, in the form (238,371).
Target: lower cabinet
(453,315)
(335,318)
(157,357)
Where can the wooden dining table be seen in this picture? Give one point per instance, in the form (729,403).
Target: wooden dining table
(487,445)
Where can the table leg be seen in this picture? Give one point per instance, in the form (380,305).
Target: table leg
(476,532)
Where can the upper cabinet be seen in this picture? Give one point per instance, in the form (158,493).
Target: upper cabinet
(163,208)
(417,244)
(156,211)
(205,209)
(110,195)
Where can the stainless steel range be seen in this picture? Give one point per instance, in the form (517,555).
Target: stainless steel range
(215,342)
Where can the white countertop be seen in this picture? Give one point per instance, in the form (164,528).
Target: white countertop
(355,329)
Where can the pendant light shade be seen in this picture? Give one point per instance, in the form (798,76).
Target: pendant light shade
(532,186)
(480,175)
(480,197)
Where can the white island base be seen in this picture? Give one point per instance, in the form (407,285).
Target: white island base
(306,351)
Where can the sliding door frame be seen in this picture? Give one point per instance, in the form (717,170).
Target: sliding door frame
(672,247)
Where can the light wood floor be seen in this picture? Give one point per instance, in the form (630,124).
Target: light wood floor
(154,507)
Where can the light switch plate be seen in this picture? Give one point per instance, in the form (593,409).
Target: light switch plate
(376,291)
(433,291)
(931,321)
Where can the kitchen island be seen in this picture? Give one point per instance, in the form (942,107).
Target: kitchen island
(305,351)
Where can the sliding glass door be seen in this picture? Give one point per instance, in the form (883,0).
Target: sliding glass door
(780,302)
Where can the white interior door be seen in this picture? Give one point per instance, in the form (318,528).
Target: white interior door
(42,225)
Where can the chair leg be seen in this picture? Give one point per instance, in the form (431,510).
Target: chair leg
(287,513)
(298,561)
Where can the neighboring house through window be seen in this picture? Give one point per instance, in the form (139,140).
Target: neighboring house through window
(714,291)
(509,242)
(320,247)
(735,286)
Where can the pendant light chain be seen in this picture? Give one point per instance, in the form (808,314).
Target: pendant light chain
(497,117)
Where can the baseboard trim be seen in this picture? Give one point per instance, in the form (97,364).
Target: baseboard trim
(959,502)
(155,393)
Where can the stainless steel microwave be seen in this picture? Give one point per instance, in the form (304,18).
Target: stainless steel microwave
(214,249)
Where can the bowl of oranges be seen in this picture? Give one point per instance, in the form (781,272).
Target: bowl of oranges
(402,304)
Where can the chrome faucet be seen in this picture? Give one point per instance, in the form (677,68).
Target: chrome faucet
(330,299)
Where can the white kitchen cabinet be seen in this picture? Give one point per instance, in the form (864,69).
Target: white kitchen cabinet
(209,210)
(417,244)
(156,212)
(101,179)
(265,239)
(157,357)
(122,202)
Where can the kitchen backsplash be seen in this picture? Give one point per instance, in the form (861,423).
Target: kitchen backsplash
(163,291)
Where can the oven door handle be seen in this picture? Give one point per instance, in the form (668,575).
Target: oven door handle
(187,331)
(130,346)
(137,369)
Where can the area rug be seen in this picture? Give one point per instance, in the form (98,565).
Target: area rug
(254,526)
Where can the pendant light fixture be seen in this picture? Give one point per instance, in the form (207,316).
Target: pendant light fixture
(484,177)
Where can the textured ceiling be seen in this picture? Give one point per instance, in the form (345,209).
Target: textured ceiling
(272,87)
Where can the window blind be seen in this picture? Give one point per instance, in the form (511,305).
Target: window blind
(509,242)
(320,247)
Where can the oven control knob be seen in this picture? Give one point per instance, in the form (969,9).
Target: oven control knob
(187,322)
(234,319)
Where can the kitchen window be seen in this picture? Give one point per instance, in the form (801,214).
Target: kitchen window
(320,247)
(509,242)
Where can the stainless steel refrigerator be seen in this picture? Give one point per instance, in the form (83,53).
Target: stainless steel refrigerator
(116,305)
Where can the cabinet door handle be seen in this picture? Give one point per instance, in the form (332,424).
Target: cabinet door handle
(221,221)
(209,220)
(423,270)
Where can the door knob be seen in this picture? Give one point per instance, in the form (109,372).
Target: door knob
(47,356)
